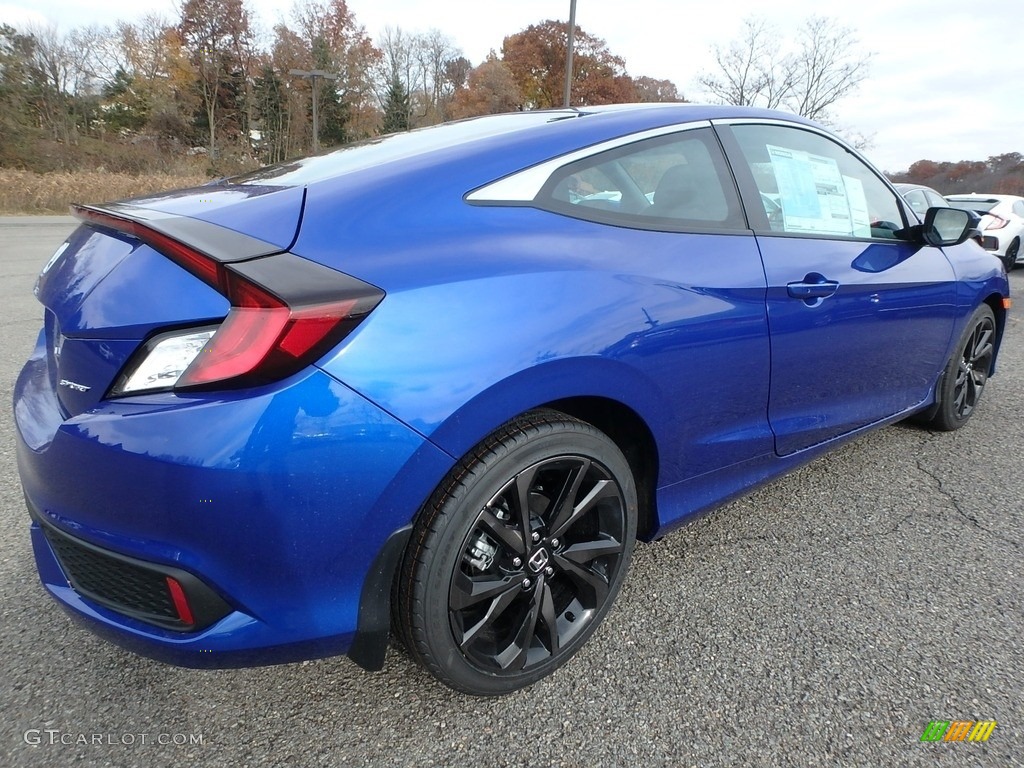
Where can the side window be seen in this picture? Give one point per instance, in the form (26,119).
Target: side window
(917,200)
(934,200)
(674,182)
(810,185)
(1018,208)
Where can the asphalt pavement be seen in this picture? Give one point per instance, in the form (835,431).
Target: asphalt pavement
(823,620)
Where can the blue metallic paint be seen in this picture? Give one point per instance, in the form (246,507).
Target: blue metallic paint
(281,497)
(832,365)
(639,314)
(268,213)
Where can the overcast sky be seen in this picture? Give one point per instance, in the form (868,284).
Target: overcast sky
(946,77)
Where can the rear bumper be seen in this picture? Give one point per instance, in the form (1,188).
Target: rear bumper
(280,501)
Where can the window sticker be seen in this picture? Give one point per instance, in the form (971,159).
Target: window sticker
(858,202)
(816,197)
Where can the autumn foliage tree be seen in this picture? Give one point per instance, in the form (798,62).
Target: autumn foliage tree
(332,40)
(491,88)
(218,39)
(1000,174)
(536,58)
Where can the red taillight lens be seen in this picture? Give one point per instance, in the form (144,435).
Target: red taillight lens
(997,222)
(268,334)
(266,344)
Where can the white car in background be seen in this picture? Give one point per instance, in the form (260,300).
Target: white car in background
(1002,222)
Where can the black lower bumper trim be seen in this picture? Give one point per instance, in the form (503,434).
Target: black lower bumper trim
(132,587)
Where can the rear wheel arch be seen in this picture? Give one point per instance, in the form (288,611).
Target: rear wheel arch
(634,438)
(621,402)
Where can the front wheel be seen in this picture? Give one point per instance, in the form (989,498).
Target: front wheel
(518,556)
(967,372)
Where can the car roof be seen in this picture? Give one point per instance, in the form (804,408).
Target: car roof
(538,135)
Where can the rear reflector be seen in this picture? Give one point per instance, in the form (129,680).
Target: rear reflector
(180,601)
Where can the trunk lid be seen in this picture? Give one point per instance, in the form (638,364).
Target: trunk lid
(105,292)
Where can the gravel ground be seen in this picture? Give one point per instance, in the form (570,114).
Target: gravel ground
(823,620)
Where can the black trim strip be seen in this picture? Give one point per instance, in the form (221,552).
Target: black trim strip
(206,605)
(219,243)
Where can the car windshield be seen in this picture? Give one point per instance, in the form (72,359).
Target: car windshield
(972,204)
(397,146)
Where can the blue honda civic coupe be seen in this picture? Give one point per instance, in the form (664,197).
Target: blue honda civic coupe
(436,385)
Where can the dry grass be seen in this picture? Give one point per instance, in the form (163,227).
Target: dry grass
(28,192)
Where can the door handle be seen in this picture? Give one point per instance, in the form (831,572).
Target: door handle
(812,287)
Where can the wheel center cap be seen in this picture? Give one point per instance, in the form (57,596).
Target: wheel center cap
(538,560)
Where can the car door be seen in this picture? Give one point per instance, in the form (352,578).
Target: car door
(662,212)
(859,320)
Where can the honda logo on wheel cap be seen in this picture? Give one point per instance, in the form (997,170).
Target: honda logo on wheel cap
(538,560)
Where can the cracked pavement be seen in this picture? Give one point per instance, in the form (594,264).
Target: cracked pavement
(823,620)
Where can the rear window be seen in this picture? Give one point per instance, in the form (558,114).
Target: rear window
(398,146)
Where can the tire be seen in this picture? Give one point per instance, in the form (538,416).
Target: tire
(966,372)
(1010,259)
(490,600)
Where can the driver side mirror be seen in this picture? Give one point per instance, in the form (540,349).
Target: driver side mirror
(946,226)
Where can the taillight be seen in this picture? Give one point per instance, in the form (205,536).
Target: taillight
(997,222)
(268,334)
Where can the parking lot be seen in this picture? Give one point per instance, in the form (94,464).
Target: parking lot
(823,620)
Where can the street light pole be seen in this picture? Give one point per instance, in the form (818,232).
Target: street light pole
(568,58)
(315,76)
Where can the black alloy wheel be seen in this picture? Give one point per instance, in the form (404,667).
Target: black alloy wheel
(1010,259)
(967,371)
(519,555)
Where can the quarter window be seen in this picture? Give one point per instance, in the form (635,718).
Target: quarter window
(674,182)
(918,201)
(810,185)
(934,200)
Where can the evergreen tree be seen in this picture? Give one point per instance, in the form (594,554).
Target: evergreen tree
(396,108)
(333,112)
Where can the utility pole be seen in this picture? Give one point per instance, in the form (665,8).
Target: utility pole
(568,58)
(315,76)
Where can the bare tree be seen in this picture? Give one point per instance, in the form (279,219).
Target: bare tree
(432,51)
(747,73)
(398,61)
(429,67)
(60,66)
(825,68)
(821,66)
